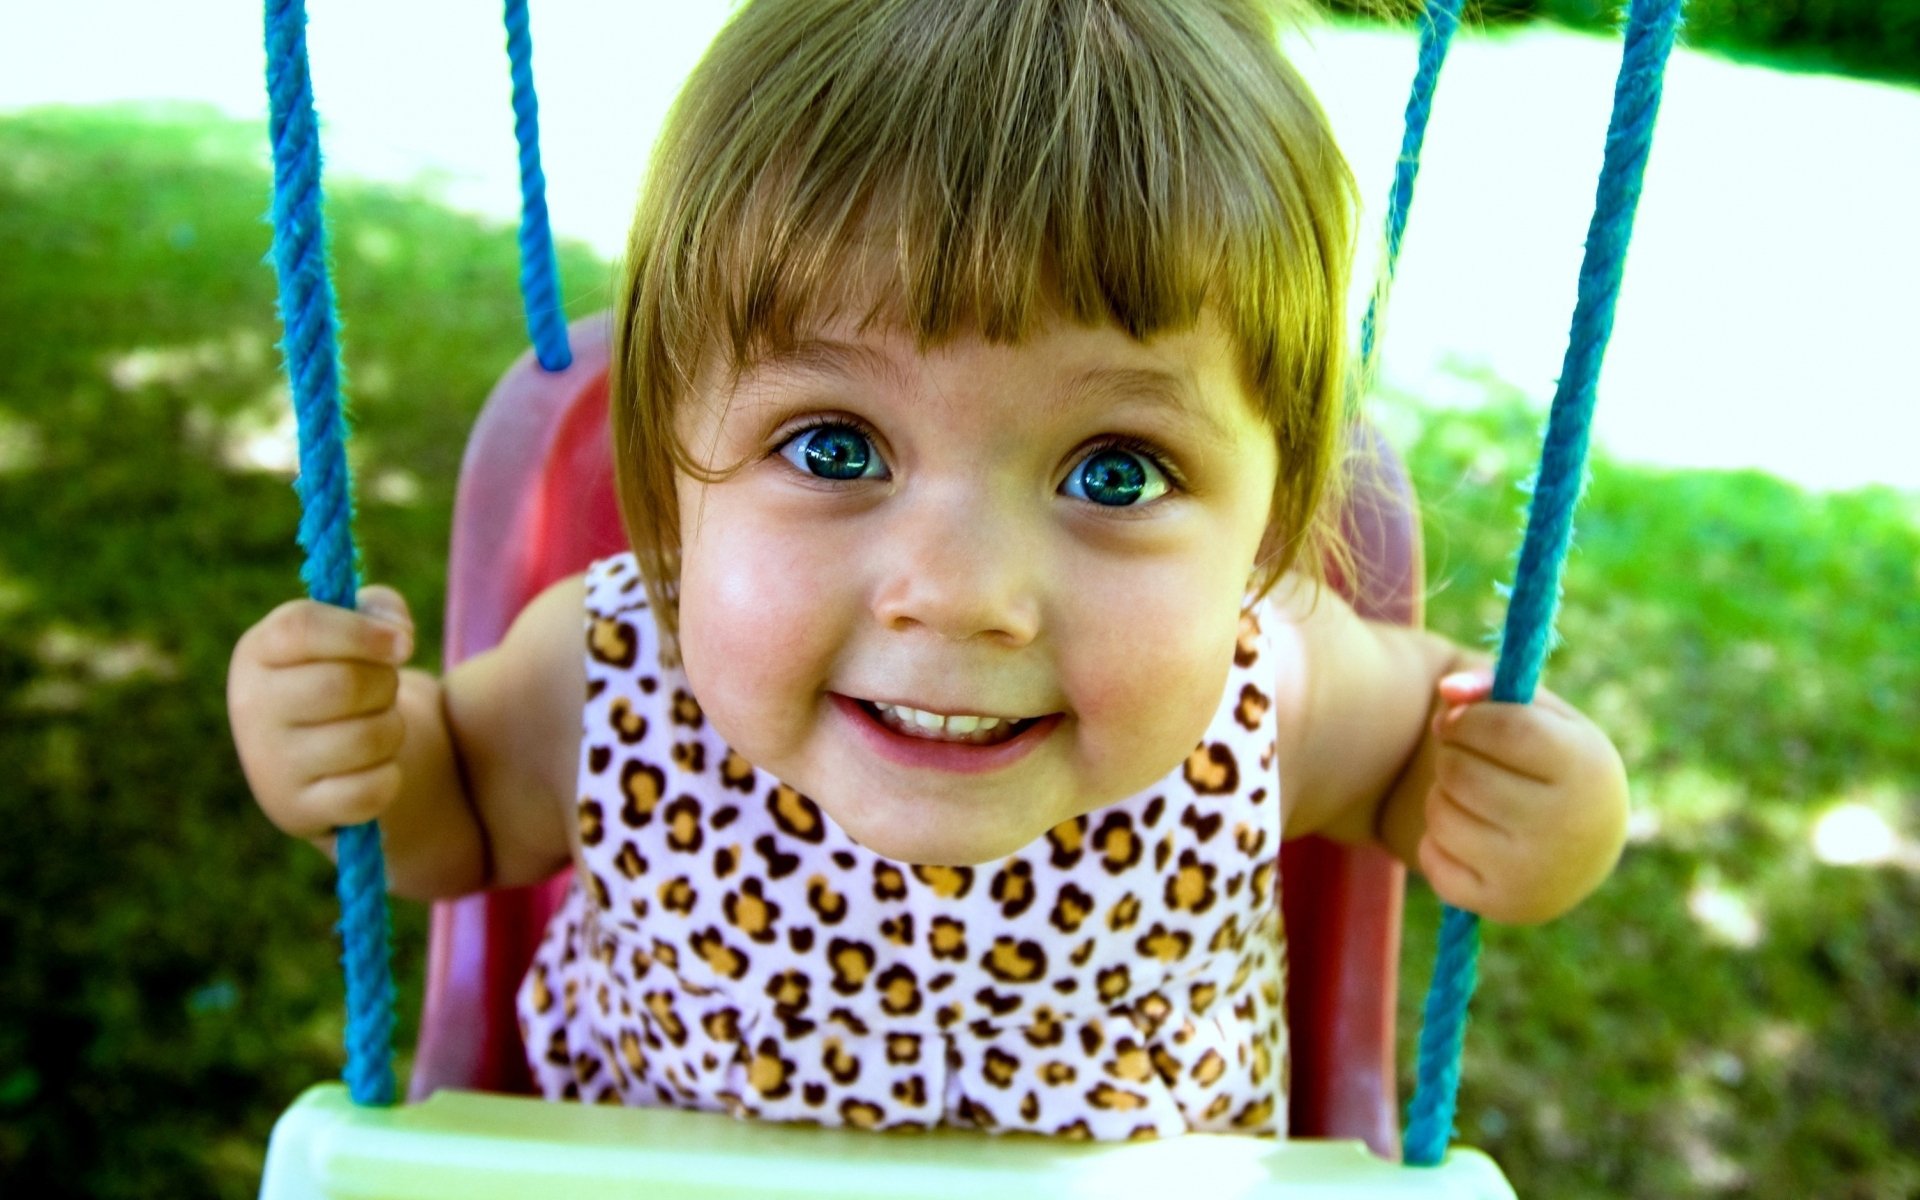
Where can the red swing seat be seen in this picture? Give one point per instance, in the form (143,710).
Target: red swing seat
(536,503)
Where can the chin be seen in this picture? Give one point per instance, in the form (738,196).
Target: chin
(919,841)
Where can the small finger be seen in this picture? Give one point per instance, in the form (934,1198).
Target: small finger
(1465,687)
(1462,689)
(1446,807)
(315,752)
(1451,877)
(1514,737)
(353,798)
(1490,881)
(383,603)
(315,693)
(1458,692)
(303,631)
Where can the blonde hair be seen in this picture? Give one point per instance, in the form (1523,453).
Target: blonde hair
(1132,161)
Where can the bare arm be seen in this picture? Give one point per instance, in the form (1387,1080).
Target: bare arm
(514,716)
(1356,699)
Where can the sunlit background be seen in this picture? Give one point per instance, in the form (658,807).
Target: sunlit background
(1768,308)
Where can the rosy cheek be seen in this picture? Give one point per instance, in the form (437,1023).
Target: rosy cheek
(756,620)
(1147,674)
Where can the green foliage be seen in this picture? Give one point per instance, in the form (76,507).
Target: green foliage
(1750,649)
(169,982)
(1880,37)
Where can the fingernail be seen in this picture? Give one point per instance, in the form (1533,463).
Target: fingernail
(382,608)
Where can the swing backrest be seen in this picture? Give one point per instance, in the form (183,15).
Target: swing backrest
(536,503)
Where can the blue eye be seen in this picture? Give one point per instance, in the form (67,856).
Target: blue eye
(1116,478)
(835,451)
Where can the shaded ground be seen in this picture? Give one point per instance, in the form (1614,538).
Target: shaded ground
(1734,1014)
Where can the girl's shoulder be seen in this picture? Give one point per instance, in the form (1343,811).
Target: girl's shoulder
(621,636)
(614,586)
(1273,644)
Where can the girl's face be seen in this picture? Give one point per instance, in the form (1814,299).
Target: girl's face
(1059,534)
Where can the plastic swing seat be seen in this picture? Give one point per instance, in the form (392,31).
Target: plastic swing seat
(535,504)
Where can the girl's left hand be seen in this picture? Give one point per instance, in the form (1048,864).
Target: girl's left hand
(1528,808)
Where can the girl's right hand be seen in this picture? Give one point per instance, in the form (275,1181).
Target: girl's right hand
(312,697)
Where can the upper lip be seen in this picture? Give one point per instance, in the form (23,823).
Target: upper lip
(945,711)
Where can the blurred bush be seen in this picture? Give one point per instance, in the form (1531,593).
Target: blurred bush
(168,974)
(1871,37)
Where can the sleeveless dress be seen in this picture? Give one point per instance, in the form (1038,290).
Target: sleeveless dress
(726,946)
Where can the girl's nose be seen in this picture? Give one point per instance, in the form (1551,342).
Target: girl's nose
(962,571)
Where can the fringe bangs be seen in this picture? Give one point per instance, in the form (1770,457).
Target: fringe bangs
(972,168)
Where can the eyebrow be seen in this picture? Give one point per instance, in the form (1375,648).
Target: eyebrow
(822,356)
(1172,390)
(1168,389)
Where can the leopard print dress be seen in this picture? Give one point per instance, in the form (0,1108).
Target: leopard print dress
(726,946)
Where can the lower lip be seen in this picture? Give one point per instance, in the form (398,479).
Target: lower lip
(958,758)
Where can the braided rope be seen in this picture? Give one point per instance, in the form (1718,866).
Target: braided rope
(1652,26)
(539,269)
(1441,18)
(331,573)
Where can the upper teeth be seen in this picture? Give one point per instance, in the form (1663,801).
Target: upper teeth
(939,723)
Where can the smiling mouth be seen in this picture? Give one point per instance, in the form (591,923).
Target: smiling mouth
(935,727)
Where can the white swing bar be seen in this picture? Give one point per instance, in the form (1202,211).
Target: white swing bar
(476,1146)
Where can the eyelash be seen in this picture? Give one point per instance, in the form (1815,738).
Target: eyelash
(1176,482)
(828,421)
(824,421)
(1145,449)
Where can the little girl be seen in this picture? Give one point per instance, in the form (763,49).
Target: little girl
(976,408)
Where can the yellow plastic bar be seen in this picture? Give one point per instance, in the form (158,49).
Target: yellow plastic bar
(471,1146)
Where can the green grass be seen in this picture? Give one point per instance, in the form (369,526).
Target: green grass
(1750,648)
(169,983)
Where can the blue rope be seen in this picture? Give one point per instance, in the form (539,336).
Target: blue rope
(326,520)
(539,269)
(1442,17)
(1651,28)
